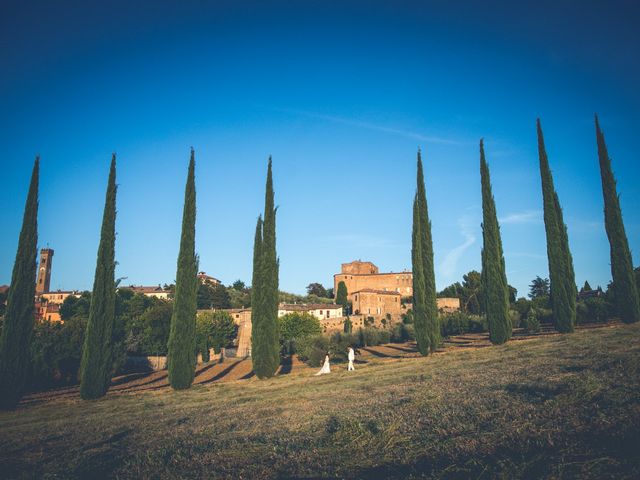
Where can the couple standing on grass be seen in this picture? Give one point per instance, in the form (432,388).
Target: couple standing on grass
(326,368)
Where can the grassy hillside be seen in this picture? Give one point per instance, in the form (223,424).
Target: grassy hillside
(556,406)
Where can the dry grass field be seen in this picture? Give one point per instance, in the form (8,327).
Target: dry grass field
(553,406)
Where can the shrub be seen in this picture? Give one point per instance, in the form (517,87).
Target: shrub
(312,349)
(407,318)
(592,310)
(348,325)
(402,333)
(531,323)
(294,327)
(456,323)
(544,315)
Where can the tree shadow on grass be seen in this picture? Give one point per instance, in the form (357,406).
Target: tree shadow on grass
(402,349)
(535,392)
(375,353)
(222,374)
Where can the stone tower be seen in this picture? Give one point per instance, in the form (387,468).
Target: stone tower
(44,272)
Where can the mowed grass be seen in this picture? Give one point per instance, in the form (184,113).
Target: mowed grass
(562,406)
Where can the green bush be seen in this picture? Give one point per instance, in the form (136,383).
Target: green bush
(459,322)
(402,333)
(295,327)
(312,349)
(531,323)
(593,310)
(545,315)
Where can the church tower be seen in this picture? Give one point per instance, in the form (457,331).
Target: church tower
(44,272)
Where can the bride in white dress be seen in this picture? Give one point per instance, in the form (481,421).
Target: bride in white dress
(326,368)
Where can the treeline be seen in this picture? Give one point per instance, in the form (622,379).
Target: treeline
(141,328)
(238,295)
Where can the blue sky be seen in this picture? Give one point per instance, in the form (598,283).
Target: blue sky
(342,94)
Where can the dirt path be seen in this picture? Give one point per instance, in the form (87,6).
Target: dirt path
(233,369)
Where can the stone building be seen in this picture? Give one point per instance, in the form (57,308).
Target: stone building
(448,304)
(359,275)
(59,296)
(376,303)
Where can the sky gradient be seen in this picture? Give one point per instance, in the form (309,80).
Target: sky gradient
(342,94)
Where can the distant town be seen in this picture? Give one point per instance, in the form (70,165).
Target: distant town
(375,299)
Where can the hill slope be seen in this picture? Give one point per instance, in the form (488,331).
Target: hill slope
(553,406)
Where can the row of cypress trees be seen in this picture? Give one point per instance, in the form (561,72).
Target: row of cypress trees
(561,272)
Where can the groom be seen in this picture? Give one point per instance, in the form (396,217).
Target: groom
(351,355)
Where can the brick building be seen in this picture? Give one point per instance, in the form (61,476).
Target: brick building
(376,303)
(359,275)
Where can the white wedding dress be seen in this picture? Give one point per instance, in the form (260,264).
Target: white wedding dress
(326,368)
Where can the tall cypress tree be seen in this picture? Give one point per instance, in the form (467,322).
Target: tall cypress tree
(342,296)
(256,285)
(265,338)
(182,335)
(625,288)
(18,319)
(561,274)
(419,297)
(494,279)
(426,245)
(95,367)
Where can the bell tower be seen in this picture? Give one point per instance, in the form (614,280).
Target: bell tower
(44,271)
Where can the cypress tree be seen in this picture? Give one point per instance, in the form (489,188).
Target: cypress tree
(265,337)
(625,288)
(256,289)
(96,363)
(419,298)
(341,296)
(494,279)
(426,244)
(561,274)
(18,319)
(182,335)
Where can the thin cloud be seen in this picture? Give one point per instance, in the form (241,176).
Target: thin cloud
(530,216)
(378,128)
(449,264)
